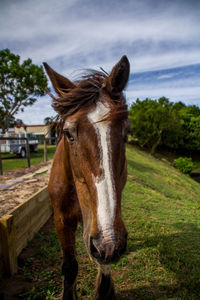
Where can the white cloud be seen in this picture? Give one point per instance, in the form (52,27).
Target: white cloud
(187,94)
(36,113)
(182,88)
(167,76)
(53,30)
(77,34)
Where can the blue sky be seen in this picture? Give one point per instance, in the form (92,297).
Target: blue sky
(160,37)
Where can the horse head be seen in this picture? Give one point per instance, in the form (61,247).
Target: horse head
(95,125)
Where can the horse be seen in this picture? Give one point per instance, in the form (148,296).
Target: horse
(89,171)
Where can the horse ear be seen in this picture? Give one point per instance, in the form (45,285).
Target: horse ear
(60,83)
(118,77)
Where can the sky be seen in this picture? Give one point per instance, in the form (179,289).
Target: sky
(161,39)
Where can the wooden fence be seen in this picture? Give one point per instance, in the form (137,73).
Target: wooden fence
(19,226)
(28,156)
(27,150)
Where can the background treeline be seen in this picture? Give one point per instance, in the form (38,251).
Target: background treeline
(164,124)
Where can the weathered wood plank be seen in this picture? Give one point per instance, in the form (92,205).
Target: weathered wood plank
(32,229)
(45,150)
(30,211)
(22,209)
(20,226)
(28,235)
(30,220)
(7,233)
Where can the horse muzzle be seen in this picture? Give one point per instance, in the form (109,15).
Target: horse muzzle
(107,251)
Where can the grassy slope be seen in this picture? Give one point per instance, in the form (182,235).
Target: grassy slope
(162,211)
(36,158)
(161,208)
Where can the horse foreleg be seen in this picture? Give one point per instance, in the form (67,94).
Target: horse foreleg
(66,233)
(105,287)
(69,271)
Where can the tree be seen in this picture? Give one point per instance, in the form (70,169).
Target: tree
(195,132)
(16,122)
(20,85)
(51,121)
(151,120)
(190,127)
(162,123)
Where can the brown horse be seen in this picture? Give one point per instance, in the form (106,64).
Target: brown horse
(89,171)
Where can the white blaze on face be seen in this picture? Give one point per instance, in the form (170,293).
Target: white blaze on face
(104,185)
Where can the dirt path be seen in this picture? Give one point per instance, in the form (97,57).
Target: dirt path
(22,183)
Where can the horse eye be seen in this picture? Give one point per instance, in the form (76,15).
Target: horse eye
(69,136)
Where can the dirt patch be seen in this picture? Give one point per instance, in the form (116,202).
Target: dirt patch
(24,182)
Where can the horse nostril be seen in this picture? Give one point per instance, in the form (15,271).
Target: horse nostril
(104,252)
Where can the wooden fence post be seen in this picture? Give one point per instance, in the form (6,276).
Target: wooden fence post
(7,236)
(1,166)
(28,153)
(45,150)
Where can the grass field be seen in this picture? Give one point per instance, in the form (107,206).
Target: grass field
(161,209)
(11,161)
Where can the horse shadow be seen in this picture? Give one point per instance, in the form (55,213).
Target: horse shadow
(179,254)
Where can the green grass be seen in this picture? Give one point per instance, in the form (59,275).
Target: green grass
(42,268)
(161,209)
(15,162)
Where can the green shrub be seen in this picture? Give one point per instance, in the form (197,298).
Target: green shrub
(184,164)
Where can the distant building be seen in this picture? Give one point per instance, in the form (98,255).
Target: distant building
(40,131)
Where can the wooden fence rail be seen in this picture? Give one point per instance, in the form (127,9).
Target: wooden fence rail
(19,226)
